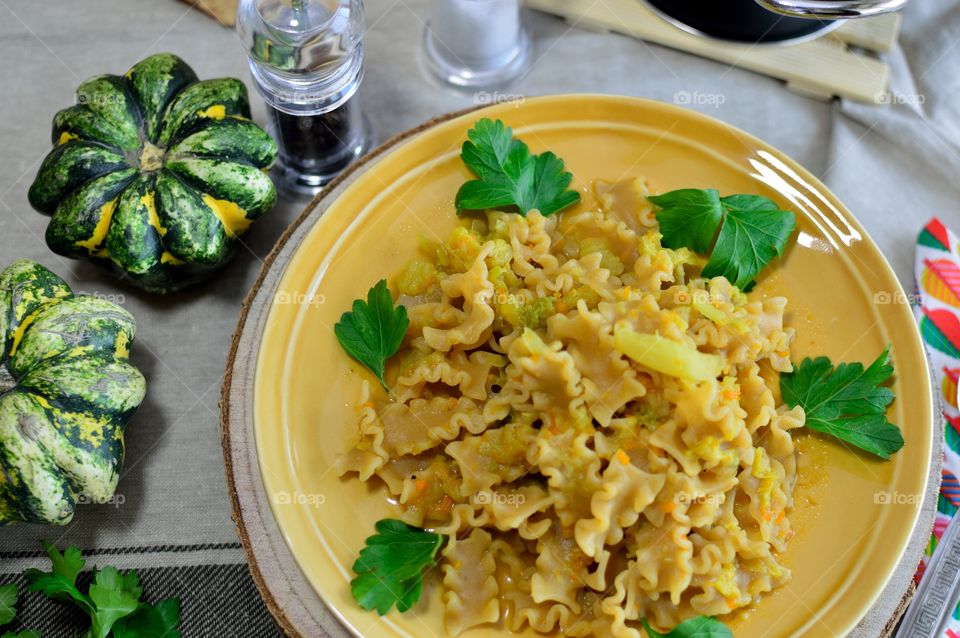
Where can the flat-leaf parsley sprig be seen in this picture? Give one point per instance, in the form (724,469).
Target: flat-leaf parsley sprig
(390,567)
(8,603)
(699,627)
(509,175)
(112,601)
(847,401)
(752,230)
(372,332)
(8,611)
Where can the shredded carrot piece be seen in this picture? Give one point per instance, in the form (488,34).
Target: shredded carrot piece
(622,456)
(446,504)
(731,602)
(782,515)
(421,484)
(731,395)
(668,506)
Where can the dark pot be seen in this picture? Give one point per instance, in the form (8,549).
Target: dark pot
(738,20)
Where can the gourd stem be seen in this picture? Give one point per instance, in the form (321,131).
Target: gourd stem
(151,157)
(7,382)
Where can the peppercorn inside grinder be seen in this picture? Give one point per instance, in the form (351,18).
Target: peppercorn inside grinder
(306,59)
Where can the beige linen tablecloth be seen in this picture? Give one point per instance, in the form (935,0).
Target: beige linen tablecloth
(893,165)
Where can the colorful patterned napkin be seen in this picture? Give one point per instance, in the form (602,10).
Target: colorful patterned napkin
(937,306)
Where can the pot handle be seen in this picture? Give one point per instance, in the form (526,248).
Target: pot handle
(832,9)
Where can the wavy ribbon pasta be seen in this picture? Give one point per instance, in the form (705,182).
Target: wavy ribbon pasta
(582,491)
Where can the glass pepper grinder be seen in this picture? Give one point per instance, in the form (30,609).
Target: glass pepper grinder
(306,58)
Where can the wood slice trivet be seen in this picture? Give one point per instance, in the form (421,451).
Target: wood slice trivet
(288,596)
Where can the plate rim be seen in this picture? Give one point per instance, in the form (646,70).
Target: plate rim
(256,289)
(330,195)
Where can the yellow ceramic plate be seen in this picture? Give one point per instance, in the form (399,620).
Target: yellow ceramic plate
(853,514)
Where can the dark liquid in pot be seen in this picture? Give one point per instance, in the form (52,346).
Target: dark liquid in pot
(739,20)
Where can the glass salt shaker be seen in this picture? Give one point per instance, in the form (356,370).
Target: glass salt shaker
(476,43)
(306,59)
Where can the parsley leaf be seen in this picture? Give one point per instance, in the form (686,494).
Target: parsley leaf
(509,175)
(8,602)
(151,621)
(748,241)
(60,582)
(8,611)
(752,230)
(390,568)
(846,401)
(115,596)
(112,601)
(689,217)
(372,332)
(699,627)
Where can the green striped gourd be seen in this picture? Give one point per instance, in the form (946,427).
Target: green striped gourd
(66,392)
(154,174)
